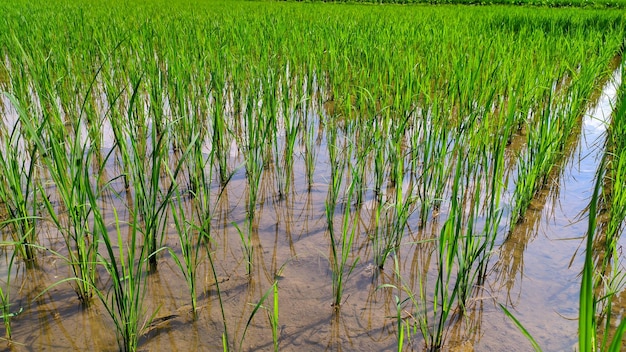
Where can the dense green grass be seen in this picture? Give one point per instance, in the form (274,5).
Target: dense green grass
(614,4)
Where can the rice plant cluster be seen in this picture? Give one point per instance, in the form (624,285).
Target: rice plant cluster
(137,136)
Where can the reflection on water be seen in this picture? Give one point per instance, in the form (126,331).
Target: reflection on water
(538,266)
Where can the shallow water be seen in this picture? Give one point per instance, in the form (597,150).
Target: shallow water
(534,271)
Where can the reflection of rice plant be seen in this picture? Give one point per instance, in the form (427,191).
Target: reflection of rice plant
(597,291)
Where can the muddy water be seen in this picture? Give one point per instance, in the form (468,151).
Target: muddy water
(534,271)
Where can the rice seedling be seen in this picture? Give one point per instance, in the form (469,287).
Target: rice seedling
(144,169)
(402,327)
(225,338)
(272,314)
(220,141)
(247,246)
(67,165)
(150,202)
(446,288)
(280,167)
(607,278)
(19,191)
(521,327)
(273,318)
(287,129)
(293,124)
(310,149)
(73,187)
(193,226)
(274,126)
(388,237)
(191,248)
(379,165)
(341,248)
(195,232)
(431,148)
(257,124)
(5,293)
(340,241)
(382,247)
(554,3)
(418,321)
(127,268)
(464,244)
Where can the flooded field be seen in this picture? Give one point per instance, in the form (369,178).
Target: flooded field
(248,181)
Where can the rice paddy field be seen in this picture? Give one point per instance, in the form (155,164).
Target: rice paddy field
(255,176)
